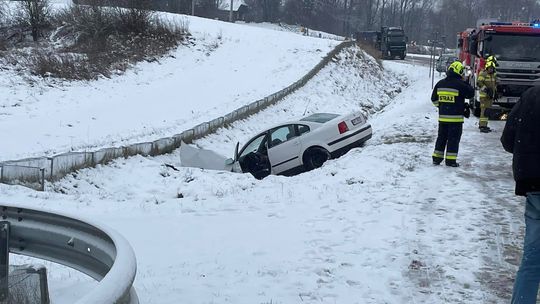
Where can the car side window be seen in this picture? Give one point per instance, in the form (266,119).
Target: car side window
(281,134)
(302,129)
(254,145)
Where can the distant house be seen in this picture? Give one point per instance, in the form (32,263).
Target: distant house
(240,9)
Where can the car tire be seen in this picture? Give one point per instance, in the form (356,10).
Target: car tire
(315,157)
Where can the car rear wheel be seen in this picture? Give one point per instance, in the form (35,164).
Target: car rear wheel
(315,157)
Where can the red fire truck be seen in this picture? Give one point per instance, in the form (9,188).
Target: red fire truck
(517,48)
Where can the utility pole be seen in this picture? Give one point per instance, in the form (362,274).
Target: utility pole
(192,7)
(231,12)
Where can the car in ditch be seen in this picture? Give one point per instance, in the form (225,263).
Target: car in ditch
(298,146)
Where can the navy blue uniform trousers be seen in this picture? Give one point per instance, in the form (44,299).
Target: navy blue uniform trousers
(448,139)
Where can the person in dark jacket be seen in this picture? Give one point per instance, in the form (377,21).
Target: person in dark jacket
(449,96)
(521,137)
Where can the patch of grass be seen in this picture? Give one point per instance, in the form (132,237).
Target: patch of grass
(90,41)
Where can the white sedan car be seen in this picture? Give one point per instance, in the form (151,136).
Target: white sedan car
(301,145)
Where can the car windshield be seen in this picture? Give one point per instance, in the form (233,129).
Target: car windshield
(396,36)
(253,146)
(320,117)
(513,47)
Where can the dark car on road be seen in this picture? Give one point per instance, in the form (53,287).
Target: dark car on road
(444,61)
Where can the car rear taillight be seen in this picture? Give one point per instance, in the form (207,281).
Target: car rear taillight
(342,127)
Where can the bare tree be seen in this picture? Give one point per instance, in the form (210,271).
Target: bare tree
(264,10)
(35,14)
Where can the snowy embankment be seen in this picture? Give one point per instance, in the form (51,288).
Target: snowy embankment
(223,68)
(378,225)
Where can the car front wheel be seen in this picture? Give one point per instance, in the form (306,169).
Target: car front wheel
(315,157)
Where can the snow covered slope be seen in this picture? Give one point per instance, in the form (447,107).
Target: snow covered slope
(228,66)
(378,225)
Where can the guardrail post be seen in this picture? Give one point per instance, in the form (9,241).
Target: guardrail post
(42,177)
(43,286)
(52,167)
(4,261)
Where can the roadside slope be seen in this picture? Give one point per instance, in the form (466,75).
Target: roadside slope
(223,68)
(378,225)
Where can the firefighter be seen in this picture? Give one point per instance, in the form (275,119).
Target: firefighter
(487,83)
(449,96)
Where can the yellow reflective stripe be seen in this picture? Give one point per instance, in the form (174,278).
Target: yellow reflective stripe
(451,118)
(447,92)
(451,157)
(482,94)
(484,119)
(439,154)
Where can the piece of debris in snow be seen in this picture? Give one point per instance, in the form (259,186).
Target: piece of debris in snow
(171,166)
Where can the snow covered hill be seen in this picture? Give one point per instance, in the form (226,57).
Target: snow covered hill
(378,225)
(228,66)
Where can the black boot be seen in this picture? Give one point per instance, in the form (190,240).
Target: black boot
(452,164)
(437,161)
(485,129)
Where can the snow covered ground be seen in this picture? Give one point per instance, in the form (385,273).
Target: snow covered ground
(228,66)
(295,29)
(378,225)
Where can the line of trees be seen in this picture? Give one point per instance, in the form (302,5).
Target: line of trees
(421,19)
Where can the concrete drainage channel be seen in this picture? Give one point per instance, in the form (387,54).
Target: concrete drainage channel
(33,172)
(99,252)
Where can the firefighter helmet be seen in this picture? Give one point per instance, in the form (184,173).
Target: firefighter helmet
(456,67)
(493,59)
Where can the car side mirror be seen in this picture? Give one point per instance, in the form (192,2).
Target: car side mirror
(229,161)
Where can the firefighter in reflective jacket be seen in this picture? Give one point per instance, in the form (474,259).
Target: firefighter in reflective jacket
(449,96)
(487,84)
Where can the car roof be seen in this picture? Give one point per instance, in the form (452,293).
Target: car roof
(300,122)
(313,119)
(320,117)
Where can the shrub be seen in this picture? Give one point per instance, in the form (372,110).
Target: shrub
(90,41)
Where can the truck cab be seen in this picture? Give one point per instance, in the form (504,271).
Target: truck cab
(517,49)
(393,43)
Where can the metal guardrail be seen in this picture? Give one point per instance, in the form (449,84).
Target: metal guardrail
(19,172)
(99,252)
